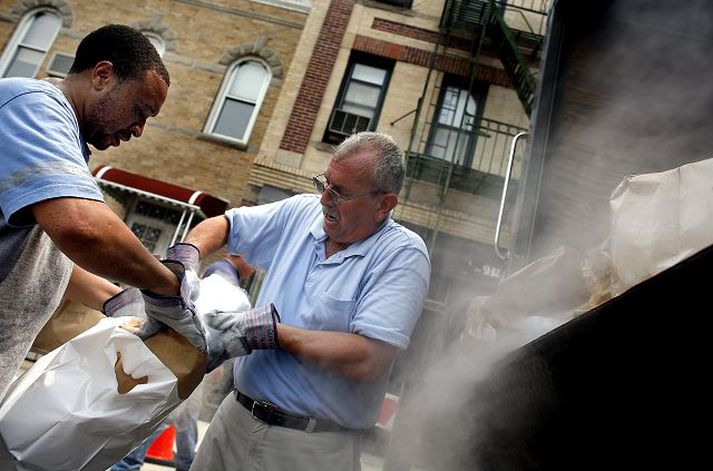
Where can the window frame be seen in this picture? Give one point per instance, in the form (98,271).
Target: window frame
(405,4)
(15,42)
(54,72)
(478,91)
(170,230)
(368,60)
(221,98)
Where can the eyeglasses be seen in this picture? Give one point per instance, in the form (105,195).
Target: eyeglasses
(321,185)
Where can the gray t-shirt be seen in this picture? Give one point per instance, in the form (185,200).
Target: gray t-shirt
(42,156)
(12,241)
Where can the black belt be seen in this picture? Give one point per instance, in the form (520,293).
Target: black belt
(271,415)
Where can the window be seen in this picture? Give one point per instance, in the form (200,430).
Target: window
(60,64)
(28,46)
(239,100)
(360,97)
(154,224)
(299,5)
(454,130)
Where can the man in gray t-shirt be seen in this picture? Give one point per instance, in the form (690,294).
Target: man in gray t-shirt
(56,232)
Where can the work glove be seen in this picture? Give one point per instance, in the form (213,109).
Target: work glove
(128,302)
(177,312)
(189,256)
(234,334)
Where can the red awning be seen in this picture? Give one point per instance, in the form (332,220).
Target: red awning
(124,180)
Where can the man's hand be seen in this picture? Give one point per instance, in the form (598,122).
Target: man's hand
(234,334)
(189,256)
(126,303)
(174,311)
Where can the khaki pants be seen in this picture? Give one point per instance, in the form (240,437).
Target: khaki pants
(236,440)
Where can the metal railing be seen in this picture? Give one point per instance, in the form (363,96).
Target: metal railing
(465,14)
(485,167)
(537,6)
(526,15)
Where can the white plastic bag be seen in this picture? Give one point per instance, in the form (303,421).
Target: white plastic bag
(219,294)
(659,219)
(66,409)
(66,412)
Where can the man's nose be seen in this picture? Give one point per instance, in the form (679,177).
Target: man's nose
(326,199)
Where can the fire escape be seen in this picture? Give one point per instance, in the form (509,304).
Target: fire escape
(458,157)
(452,146)
(458,164)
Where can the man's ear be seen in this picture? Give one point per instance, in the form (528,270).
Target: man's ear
(388,202)
(103,75)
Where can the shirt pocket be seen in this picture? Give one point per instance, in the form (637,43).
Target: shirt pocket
(331,313)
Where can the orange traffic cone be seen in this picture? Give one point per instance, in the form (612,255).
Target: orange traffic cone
(162,448)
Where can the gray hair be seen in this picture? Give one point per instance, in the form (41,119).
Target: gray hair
(390,164)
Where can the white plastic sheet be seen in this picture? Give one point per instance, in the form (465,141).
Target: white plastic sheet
(66,409)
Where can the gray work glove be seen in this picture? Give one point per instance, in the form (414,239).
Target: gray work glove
(234,334)
(174,311)
(125,303)
(189,256)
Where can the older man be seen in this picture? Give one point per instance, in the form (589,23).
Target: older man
(349,284)
(53,213)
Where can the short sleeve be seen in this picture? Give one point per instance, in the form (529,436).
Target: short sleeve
(393,297)
(43,156)
(256,230)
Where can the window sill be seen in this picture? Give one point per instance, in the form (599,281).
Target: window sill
(222,141)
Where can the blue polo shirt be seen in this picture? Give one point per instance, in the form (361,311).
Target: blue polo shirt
(375,288)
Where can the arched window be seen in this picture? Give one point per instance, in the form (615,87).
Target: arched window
(238,103)
(157,42)
(28,46)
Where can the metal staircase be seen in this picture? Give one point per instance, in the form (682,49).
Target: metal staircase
(509,52)
(518,49)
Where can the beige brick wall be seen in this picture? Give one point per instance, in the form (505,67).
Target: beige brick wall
(408,79)
(423,15)
(269,147)
(527,18)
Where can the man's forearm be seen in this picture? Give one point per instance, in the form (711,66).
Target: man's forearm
(89,289)
(210,235)
(96,239)
(351,355)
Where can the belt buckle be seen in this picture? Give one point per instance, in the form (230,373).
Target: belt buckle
(252,410)
(262,404)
